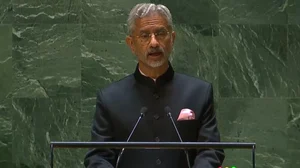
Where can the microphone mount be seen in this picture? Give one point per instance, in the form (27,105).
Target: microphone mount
(168,111)
(142,114)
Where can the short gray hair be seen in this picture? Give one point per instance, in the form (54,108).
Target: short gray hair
(145,9)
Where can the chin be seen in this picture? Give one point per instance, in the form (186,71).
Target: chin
(155,64)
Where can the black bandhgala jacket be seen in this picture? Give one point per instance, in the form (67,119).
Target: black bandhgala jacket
(118,108)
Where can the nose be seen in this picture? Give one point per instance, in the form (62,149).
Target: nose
(153,41)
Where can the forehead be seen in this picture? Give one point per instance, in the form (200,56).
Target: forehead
(152,22)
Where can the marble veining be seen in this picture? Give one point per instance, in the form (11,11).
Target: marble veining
(294,12)
(5,96)
(253,61)
(253,12)
(37,121)
(49,12)
(106,11)
(259,120)
(293,131)
(193,12)
(294,60)
(46,60)
(6,11)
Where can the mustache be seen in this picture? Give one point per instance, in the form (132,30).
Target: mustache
(155,50)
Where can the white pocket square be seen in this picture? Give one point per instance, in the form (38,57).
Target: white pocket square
(186,114)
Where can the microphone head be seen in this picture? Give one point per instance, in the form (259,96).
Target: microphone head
(143,111)
(168,110)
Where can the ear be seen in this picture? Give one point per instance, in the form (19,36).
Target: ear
(129,42)
(173,37)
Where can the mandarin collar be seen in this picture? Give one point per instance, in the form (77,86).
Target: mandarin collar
(160,81)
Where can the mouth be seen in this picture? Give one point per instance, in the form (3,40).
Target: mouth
(155,54)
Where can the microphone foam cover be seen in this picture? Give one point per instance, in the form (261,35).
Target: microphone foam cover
(144,110)
(167,109)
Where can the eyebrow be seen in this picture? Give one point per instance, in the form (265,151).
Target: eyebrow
(144,31)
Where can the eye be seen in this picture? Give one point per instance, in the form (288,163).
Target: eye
(161,33)
(144,35)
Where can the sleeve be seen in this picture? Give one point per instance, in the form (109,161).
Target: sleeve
(101,132)
(209,158)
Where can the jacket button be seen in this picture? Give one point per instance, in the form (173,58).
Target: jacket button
(158,161)
(156,96)
(156,116)
(157,139)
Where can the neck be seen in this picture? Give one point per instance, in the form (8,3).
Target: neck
(151,72)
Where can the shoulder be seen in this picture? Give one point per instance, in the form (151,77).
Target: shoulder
(118,87)
(188,80)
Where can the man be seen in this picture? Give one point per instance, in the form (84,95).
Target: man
(154,85)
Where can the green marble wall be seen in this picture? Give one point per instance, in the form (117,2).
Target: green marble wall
(54,55)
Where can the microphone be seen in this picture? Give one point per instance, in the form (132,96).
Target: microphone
(143,113)
(168,111)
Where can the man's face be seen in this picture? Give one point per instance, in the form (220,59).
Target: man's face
(152,40)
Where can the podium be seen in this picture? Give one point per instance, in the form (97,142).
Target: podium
(154,145)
